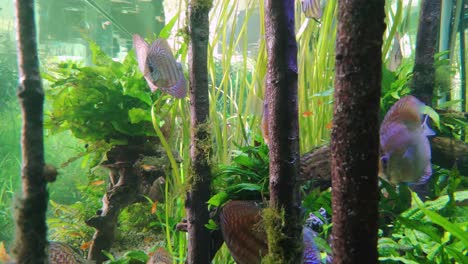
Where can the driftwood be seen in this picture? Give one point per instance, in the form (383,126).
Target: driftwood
(315,166)
(135,171)
(449,152)
(446,152)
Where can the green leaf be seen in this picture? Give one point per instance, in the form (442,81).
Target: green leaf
(398,259)
(137,255)
(247,187)
(244,160)
(456,254)
(211,225)
(167,29)
(441,221)
(108,255)
(218,199)
(138,115)
(422,227)
(137,88)
(327,92)
(99,57)
(449,104)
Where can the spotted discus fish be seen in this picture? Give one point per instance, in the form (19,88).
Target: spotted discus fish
(312,8)
(160,256)
(159,67)
(61,253)
(405,148)
(245,236)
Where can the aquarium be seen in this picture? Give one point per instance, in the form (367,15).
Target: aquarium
(156,114)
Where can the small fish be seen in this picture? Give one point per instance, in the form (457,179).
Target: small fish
(405,148)
(312,8)
(105,24)
(159,67)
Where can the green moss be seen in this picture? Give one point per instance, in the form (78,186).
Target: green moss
(201,153)
(274,222)
(205,4)
(275,226)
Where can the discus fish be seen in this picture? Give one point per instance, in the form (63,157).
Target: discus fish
(159,67)
(160,256)
(246,239)
(59,253)
(311,253)
(312,8)
(405,149)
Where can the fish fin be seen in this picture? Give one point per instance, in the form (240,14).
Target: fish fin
(427,173)
(151,85)
(425,178)
(141,52)
(180,89)
(162,44)
(427,131)
(407,110)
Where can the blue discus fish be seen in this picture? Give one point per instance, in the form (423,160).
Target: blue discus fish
(159,67)
(405,148)
(311,253)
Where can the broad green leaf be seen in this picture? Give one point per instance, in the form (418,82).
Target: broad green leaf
(138,115)
(137,255)
(422,227)
(441,221)
(457,254)
(211,225)
(248,187)
(398,259)
(449,104)
(218,199)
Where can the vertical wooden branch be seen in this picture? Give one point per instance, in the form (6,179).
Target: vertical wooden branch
(31,214)
(355,134)
(461,29)
(200,174)
(426,42)
(283,226)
